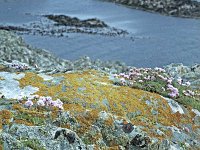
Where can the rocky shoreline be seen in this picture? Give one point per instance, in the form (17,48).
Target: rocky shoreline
(183,8)
(62,25)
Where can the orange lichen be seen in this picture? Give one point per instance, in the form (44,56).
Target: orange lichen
(66,126)
(86,120)
(73,108)
(5,116)
(1,147)
(109,121)
(1,123)
(18,107)
(31,79)
(114,148)
(19,121)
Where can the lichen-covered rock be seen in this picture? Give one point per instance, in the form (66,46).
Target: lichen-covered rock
(19,136)
(190,73)
(96,114)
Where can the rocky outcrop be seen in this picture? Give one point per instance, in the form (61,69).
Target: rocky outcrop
(95,114)
(179,8)
(189,73)
(70,21)
(62,25)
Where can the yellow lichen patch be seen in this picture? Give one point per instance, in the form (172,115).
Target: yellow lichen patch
(114,148)
(18,121)
(31,79)
(5,116)
(109,121)
(73,108)
(1,124)
(86,120)
(1,146)
(2,68)
(92,137)
(66,126)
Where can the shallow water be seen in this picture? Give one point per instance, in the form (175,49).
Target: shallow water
(160,40)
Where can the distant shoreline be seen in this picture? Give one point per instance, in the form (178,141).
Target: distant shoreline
(182,9)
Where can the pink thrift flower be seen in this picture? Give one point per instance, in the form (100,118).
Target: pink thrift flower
(53,104)
(174,91)
(162,78)
(60,107)
(28,103)
(126,76)
(123,81)
(122,74)
(40,102)
(187,129)
(169,81)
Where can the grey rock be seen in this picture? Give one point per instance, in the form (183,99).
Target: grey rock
(18,135)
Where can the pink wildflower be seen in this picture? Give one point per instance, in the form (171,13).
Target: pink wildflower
(28,103)
(169,81)
(186,129)
(40,102)
(123,81)
(174,91)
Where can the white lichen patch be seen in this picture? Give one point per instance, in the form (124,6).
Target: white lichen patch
(45,77)
(175,107)
(9,87)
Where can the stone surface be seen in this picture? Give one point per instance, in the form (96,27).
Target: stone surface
(97,117)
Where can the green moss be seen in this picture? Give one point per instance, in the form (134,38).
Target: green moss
(189,101)
(29,119)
